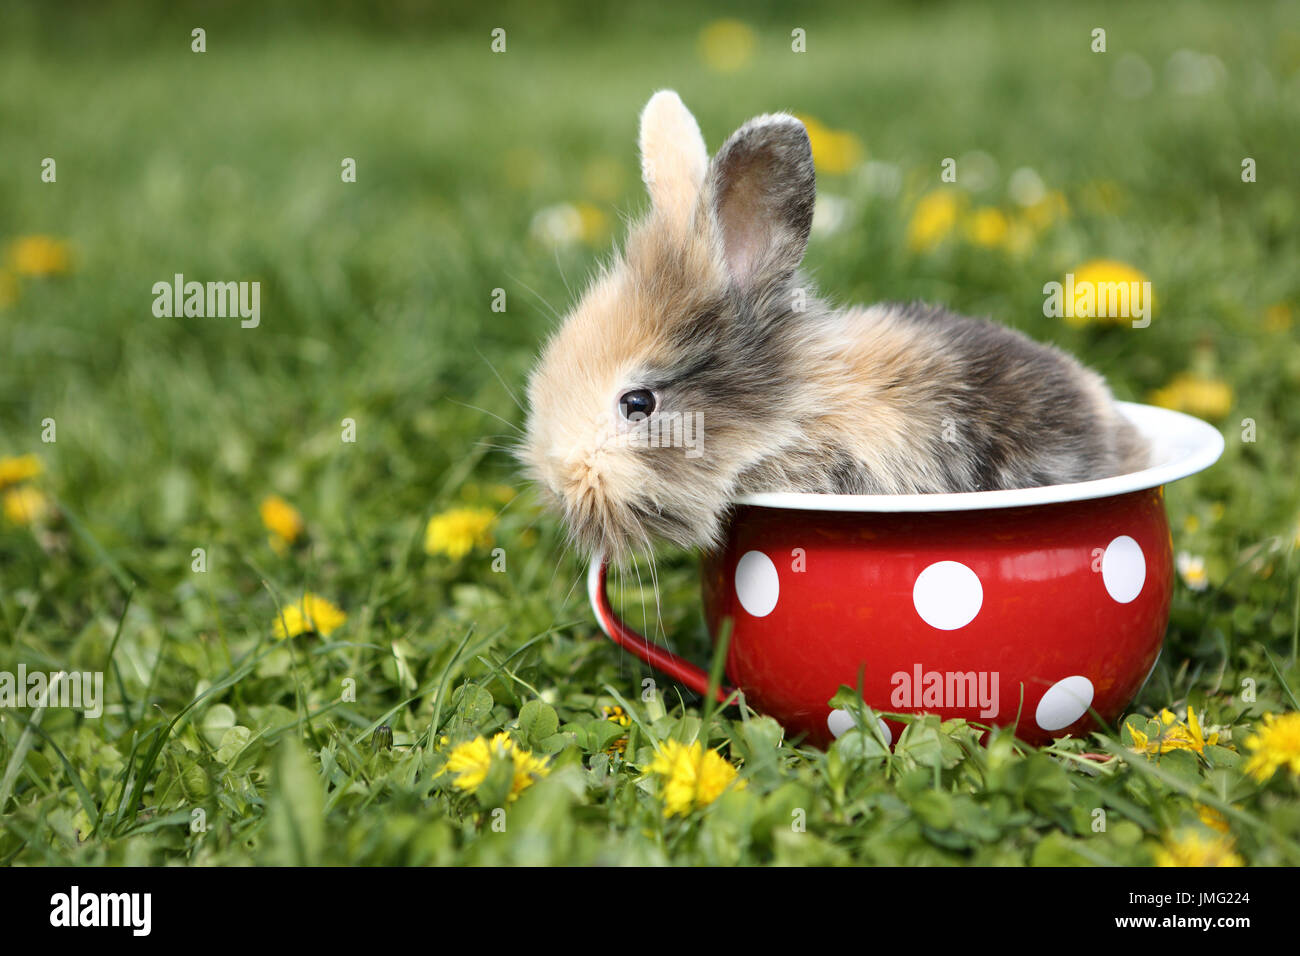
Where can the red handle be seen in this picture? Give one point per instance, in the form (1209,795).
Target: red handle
(680,670)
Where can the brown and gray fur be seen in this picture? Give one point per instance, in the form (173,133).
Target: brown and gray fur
(706,308)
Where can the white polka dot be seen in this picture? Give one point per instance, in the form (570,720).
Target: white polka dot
(1064,703)
(840,721)
(757,584)
(1123,569)
(947,595)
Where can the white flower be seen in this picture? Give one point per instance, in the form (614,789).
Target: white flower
(830,214)
(1026,187)
(977,171)
(1192,74)
(1191,567)
(1132,77)
(558,225)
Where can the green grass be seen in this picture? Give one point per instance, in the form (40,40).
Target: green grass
(376,306)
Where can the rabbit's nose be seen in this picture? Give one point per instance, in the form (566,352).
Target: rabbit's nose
(577,475)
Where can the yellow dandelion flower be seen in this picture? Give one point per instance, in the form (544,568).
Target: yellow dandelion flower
(1020,236)
(472,760)
(834,151)
(1277,317)
(1107,290)
(1141,743)
(1199,739)
(502,493)
(529,768)
(1276,745)
(1195,394)
(692,776)
(1172,735)
(1197,849)
(21,468)
(457,532)
(282,520)
(603,179)
(1047,211)
(593,223)
(1165,740)
(933,219)
(39,256)
(727,45)
(1212,818)
(616,715)
(26,505)
(311,615)
(1105,197)
(988,227)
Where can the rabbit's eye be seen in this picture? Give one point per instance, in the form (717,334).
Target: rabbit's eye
(637,404)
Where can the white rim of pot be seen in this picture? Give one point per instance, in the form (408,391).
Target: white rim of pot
(1180,446)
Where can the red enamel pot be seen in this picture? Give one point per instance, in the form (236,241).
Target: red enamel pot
(1042,609)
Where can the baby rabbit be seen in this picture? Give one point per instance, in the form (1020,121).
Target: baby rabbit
(700,365)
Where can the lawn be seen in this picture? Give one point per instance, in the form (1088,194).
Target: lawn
(202,476)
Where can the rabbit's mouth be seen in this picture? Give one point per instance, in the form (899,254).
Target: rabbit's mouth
(618,530)
(603,507)
(660,523)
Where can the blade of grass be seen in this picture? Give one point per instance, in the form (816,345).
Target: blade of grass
(83,794)
(716,666)
(112,662)
(1277,672)
(120,574)
(25,743)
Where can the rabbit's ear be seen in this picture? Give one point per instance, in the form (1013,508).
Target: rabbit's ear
(763,188)
(673,157)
